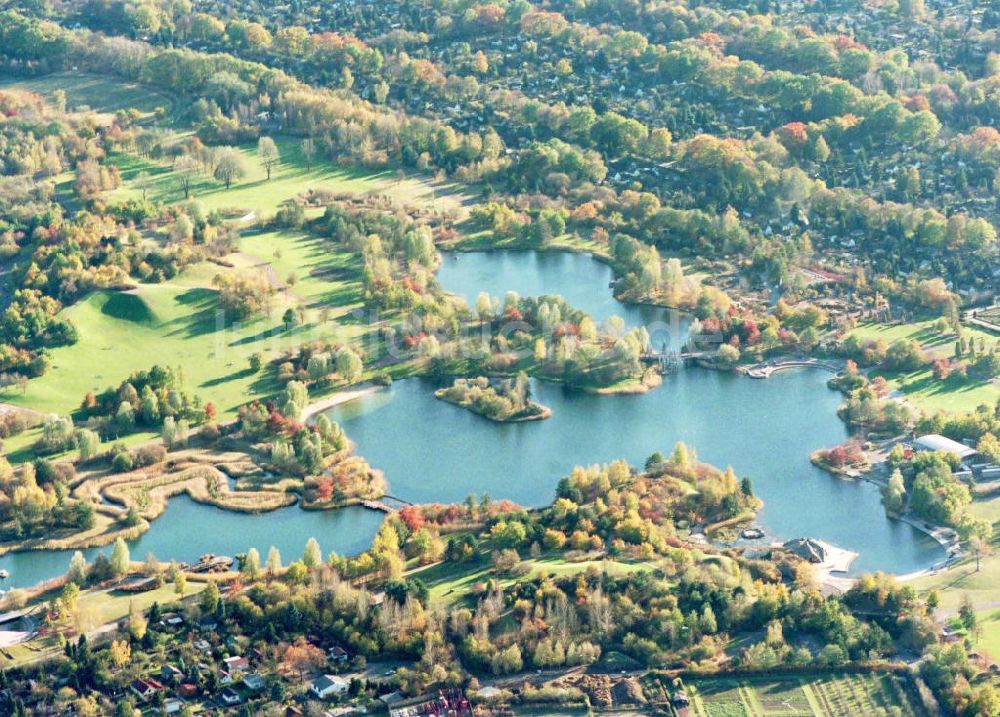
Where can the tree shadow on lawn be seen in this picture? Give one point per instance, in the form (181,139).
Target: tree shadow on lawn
(938,340)
(348,296)
(131,166)
(276,331)
(927,385)
(293,167)
(206,316)
(235,375)
(334,273)
(266,384)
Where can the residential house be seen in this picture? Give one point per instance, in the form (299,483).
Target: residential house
(170,674)
(229,697)
(236,664)
(145,688)
(327,685)
(254,681)
(338,654)
(172,619)
(202,646)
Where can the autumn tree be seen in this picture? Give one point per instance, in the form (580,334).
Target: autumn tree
(121,653)
(137,623)
(120,558)
(313,556)
(303,658)
(267,152)
(230,166)
(308,148)
(77,572)
(273,561)
(349,365)
(209,598)
(894,495)
(251,565)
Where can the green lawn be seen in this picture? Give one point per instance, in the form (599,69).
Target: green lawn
(177,323)
(918,330)
(832,695)
(956,394)
(94,609)
(99,607)
(989,643)
(305,264)
(291,177)
(920,388)
(940,345)
(982,587)
(103,95)
(448,582)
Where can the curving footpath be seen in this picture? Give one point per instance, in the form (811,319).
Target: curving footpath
(764,370)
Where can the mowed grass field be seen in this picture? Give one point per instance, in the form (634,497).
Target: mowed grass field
(920,388)
(292,176)
(833,695)
(178,324)
(982,586)
(307,266)
(84,91)
(989,642)
(96,608)
(447,582)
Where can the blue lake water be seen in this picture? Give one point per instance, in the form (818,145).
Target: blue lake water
(433,451)
(188,530)
(765,429)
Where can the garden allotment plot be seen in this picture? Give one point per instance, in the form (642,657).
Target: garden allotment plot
(812,696)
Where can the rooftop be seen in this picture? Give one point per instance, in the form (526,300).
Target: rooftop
(935,442)
(325,681)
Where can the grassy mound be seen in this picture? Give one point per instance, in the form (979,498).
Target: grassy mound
(126,307)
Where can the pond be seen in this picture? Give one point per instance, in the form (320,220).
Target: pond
(188,530)
(581,280)
(765,429)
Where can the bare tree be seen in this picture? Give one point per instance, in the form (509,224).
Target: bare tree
(185,169)
(308,151)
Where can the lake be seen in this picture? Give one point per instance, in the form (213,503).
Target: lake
(580,279)
(433,451)
(188,530)
(765,429)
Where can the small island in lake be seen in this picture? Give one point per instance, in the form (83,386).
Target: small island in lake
(505,400)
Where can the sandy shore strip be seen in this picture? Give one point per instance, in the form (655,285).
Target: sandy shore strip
(341,397)
(838,560)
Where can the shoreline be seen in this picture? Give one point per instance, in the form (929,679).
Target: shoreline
(338,398)
(646,383)
(84,541)
(543,411)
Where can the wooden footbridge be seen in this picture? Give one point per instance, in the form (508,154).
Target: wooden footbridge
(386,504)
